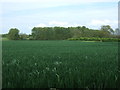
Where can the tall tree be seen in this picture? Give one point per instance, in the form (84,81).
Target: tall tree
(13,34)
(23,36)
(107,28)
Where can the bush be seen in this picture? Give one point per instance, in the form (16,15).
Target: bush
(96,39)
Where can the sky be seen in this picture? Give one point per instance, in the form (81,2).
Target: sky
(26,14)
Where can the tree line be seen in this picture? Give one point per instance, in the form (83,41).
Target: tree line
(62,33)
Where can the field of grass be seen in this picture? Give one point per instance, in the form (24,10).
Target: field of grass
(59,64)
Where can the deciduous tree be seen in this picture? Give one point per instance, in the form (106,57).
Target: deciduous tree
(13,34)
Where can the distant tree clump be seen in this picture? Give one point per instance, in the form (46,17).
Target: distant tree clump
(23,36)
(62,33)
(13,34)
(50,33)
(4,35)
(107,30)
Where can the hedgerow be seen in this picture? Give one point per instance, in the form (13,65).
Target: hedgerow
(96,39)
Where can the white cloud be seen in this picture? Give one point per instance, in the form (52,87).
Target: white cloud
(94,24)
(20,11)
(97,23)
(58,23)
(102,22)
(41,25)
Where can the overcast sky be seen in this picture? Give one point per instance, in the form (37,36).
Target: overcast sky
(26,14)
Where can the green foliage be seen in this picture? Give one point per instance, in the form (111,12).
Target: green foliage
(13,34)
(24,36)
(59,64)
(4,39)
(96,39)
(42,33)
(107,29)
(4,35)
(62,33)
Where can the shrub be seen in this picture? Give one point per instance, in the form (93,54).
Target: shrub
(96,39)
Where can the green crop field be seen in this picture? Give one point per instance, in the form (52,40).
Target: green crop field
(59,64)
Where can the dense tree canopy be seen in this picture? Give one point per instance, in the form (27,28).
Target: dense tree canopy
(23,36)
(107,29)
(13,34)
(61,33)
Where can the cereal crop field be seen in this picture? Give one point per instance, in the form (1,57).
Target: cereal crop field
(59,64)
